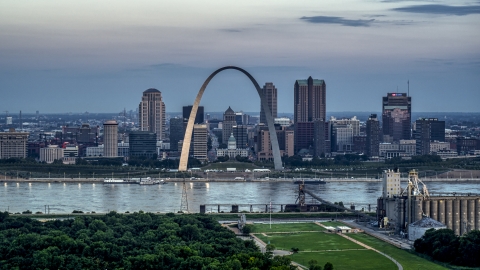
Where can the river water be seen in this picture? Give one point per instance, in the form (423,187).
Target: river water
(88,197)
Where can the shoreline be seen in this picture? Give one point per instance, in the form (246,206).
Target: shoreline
(272,180)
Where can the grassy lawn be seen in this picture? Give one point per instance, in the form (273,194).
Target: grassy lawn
(347,260)
(240,166)
(287,227)
(405,258)
(308,241)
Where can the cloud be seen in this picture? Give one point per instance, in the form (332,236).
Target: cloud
(441,9)
(395,1)
(231,30)
(337,20)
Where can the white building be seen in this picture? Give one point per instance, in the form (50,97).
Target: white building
(409,146)
(391,183)
(123,149)
(96,151)
(232,151)
(437,146)
(70,151)
(283,121)
(51,153)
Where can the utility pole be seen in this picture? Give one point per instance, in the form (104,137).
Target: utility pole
(184,202)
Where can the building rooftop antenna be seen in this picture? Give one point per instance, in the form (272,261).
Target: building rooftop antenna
(408,86)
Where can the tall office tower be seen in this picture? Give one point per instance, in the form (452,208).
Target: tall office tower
(200,139)
(240,134)
(270,93)
(428,130)
(228,123)
(142,143)
(396,117)
(309,105)
(373,136)
(198,118)
(309,100)
(177,132)
(304,135)
(13,144)
(110,138)
(354,122)
(151,113)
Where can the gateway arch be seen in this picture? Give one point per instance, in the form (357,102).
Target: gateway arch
(268,114)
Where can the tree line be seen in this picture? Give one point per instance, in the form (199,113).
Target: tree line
(135,241)
(444,246)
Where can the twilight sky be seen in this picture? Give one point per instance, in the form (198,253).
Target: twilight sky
(99,56)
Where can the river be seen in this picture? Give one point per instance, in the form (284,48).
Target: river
(63,198)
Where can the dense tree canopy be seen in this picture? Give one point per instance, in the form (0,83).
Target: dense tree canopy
(443,245)
(136,241)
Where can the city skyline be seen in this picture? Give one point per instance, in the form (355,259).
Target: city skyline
(89,52)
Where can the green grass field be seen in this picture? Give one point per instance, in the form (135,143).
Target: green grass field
(308,241)
(342,253)
(405,258)
(287,227)
(347,259)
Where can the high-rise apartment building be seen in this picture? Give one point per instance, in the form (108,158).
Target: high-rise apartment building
(13,144)
(373,136)
(110,138)
(151,113)
(309,105)
(270,93)
(396,117)
(428,130)
(199,118)
(228,123)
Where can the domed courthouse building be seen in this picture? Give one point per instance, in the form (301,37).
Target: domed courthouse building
(232,151)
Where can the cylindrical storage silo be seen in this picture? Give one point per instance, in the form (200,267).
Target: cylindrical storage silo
(449,214)
(471,215)
(456,217)
(402,213)
(434,209)
(426,208)
(418,209)
(477,214)
(441,211)
(463,216)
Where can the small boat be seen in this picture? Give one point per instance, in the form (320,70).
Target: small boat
(149,181)
(117,181)
(310,182)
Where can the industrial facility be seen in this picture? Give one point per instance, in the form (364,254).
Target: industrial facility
(400,208)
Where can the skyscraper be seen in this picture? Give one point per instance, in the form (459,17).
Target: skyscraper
(396,117)
(110,138)
(373,136)
(270,93)
(309,105)
(228,123)
(151,113)
(177,132)
(200,139)
(309,100)
(428,130)
(199,118)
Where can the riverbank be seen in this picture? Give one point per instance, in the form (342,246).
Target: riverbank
(200,180)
